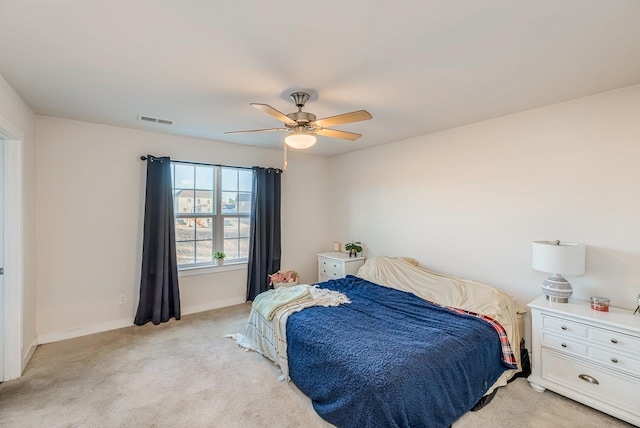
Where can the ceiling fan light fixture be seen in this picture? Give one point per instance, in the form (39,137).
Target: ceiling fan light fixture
(300,140)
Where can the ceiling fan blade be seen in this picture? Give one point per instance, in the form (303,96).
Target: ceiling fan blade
(334,133)
(275,113)
(354,116)
(257,130)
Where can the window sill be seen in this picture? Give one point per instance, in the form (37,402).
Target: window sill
(206,270)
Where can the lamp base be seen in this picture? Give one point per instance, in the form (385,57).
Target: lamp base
(557,299)
(557,289)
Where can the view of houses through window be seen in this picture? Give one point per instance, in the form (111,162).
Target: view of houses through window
(212,206)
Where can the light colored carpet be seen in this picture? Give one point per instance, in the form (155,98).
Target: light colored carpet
(186,373)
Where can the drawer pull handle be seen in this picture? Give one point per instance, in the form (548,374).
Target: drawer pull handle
(590,379)
(564,345)
(614,360)
(563,327)
(614,340)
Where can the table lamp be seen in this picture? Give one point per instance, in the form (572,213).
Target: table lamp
(558,258)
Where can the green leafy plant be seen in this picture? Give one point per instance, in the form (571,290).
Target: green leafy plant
(219,255)
(353,247)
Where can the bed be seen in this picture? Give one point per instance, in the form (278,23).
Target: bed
(411,348)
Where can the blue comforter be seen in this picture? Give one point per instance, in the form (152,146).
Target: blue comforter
(390,358)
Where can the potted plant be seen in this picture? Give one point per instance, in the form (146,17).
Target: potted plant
(286,279)
(353,248)
(219,256)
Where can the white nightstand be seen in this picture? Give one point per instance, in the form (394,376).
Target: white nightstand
(337,265)
(589,356)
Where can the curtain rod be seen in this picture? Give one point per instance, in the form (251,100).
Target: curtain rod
(144,158)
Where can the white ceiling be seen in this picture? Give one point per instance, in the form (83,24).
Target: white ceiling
(416,66)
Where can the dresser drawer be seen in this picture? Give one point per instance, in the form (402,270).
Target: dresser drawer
(563,326)
(616,360)
(564,345)
(615,389)
(329,273)
(613,340)
(330,264)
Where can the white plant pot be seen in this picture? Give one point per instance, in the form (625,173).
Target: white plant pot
(219,262)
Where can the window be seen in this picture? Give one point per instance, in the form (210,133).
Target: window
(219,219)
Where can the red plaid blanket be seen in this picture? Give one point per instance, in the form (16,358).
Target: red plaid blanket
(508,357)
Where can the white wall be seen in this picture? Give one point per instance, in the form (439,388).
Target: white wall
(466,201)
(469,201)
(18,113)
(88,256)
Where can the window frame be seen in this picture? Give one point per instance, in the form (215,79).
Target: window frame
(217,216)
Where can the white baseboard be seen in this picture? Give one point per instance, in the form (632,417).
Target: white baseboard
(213,305)
(116,324)
(29,354)
(84,331)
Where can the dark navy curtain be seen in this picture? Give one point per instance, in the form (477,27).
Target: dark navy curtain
(264,243)
(159,294)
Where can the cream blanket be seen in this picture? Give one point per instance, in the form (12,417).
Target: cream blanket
(266,304)
(269,336)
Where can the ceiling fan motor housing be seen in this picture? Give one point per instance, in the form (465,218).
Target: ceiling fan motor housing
(299,99)
(302,117)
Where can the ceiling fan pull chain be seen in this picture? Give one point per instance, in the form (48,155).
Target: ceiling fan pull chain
(284,168)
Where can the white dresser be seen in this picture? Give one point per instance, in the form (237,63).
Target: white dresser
(337,265)
(589,356)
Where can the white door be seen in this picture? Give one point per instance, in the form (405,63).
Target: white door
(1,259)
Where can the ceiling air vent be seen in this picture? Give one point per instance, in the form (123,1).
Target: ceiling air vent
(154,120)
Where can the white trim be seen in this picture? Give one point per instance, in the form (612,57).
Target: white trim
(84,331)
(29,354)
(121,323)
(214,305)
(193,271)
(13,250)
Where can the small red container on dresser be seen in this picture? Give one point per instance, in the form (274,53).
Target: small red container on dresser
(600,304)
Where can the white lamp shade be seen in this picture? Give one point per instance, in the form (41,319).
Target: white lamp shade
(300,140)
(564,258)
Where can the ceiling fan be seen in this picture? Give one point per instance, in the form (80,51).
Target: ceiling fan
(303,127)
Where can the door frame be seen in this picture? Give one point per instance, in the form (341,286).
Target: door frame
(13,249)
